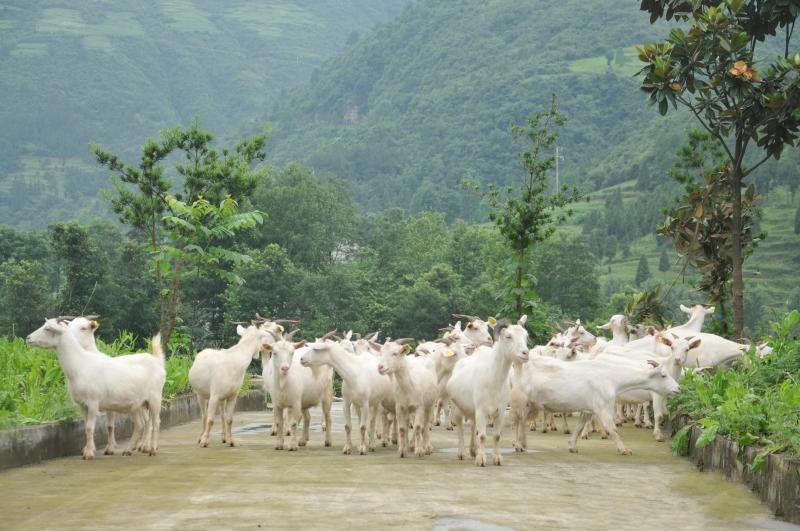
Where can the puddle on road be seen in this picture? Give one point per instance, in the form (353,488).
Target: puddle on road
(464,524)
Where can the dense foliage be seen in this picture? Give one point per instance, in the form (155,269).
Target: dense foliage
(114,72)
(755,403)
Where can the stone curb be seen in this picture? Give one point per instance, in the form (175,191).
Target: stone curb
(777,485)
(32,444)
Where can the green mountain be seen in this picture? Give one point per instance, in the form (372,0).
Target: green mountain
(428,99)
(115,73)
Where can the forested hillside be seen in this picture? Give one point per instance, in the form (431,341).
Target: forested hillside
(428,99)
(390,104)
(115,73)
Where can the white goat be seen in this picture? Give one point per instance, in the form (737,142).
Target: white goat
(98,382)
(476,332)
(362,387)
(591,387)
(295,389)
(480,388)
(673,363)
(697,315)
(83,328)
(415,392)
(216,377)
(445,354)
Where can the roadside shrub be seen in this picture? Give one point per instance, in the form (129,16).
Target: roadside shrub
(757,402)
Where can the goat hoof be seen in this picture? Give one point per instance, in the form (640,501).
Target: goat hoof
(109,452)
(573,450)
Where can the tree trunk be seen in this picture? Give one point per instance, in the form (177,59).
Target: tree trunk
(519,295)
(737,291)
(169,306)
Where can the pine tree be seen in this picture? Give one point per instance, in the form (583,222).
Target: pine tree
(642,272)
(663,261)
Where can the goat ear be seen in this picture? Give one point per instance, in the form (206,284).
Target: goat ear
(491,321)
(406,348)
(95,325)
(694,344)
(240,329)
(522,320)
(710,310)
(300,344)
(373,344)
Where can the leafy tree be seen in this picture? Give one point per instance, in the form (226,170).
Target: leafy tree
(309,216)
(84,268)
(642,271)
(699,224)
(270,286)
(525,215)
(647,307)
(142,199)
(710,69)
(567,277)
(198,232)
(25,296)
(18,244)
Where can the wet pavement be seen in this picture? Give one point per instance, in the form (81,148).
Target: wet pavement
(254,486)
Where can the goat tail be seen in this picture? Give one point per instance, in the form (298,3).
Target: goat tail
(158,350)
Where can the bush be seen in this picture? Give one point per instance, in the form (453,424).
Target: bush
(757,402)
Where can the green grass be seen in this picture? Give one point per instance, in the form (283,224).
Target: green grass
(32,386)
(33,389)
(624,63)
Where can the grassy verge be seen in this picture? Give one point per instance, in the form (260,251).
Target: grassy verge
(33,389)
(756,403)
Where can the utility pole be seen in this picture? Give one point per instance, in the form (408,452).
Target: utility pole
(558,157)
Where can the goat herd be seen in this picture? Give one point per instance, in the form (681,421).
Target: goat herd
(466,376)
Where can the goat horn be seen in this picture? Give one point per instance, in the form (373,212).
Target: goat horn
(404,340)
(463,316)
(654,363)
(328,335)
(291,334)
(286,321)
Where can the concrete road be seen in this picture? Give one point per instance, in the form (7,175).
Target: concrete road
(254,486)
